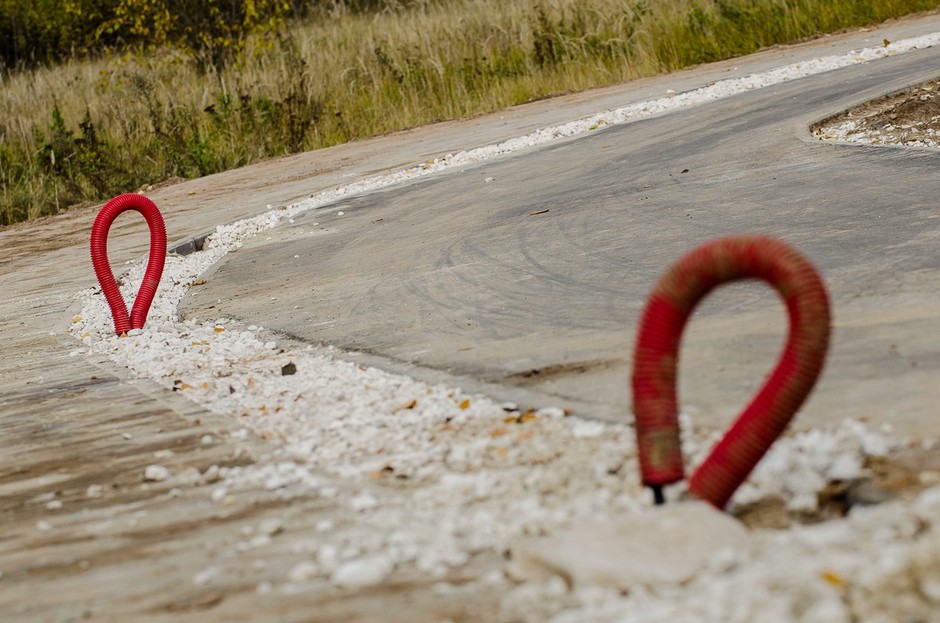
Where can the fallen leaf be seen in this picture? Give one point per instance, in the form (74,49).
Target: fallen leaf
(411,404)
(534,212)
(831,576)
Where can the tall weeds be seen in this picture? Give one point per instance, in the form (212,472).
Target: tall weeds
(86,130)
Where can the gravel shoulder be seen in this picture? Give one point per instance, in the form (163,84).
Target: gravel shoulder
(910,118)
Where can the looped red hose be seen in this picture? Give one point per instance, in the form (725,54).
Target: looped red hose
(99,259)
(655,403)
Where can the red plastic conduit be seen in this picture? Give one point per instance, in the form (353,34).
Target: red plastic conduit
(655,402)
(99,259)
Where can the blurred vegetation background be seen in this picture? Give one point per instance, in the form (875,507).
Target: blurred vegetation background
(101,97)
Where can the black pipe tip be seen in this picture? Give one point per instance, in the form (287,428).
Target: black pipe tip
(659,498)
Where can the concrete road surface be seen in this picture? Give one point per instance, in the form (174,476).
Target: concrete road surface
(524,277)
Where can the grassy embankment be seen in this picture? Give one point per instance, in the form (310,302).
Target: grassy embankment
(86,130)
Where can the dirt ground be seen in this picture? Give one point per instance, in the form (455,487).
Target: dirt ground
(912,115)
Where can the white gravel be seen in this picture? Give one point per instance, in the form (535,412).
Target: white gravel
(850,131)
(426,477)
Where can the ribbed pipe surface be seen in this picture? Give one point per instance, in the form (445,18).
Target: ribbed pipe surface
(656,357)
(124,322)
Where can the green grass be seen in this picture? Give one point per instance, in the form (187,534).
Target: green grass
(86,130)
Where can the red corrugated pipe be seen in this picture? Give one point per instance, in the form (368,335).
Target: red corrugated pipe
(656,357)
(99,259)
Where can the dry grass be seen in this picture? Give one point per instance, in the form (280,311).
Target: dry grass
(86,130)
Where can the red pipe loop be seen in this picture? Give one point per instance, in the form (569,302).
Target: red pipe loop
(656,357)
(124,322)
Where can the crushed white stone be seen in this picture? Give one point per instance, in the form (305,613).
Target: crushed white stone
(156,473)
(205,576)
(469,481)
(362,572)
(303,571)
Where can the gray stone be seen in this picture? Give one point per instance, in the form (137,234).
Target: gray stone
(667,545)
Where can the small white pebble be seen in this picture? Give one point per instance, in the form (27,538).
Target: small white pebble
(205,576)
(362,572)
(264,588)
(340,213)
(156,473)
(554,412)
(127,436)
(584,429)
(271,526)
(43,526)
(845,467)
(54,505)
(212,474)
(218,494)
(94,491)
(270,345)
(206,440)
(930,587)
(303,571)
(328,557)
(260,540)
(363,501)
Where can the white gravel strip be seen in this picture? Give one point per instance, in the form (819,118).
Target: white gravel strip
(849,131)
(427,477)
